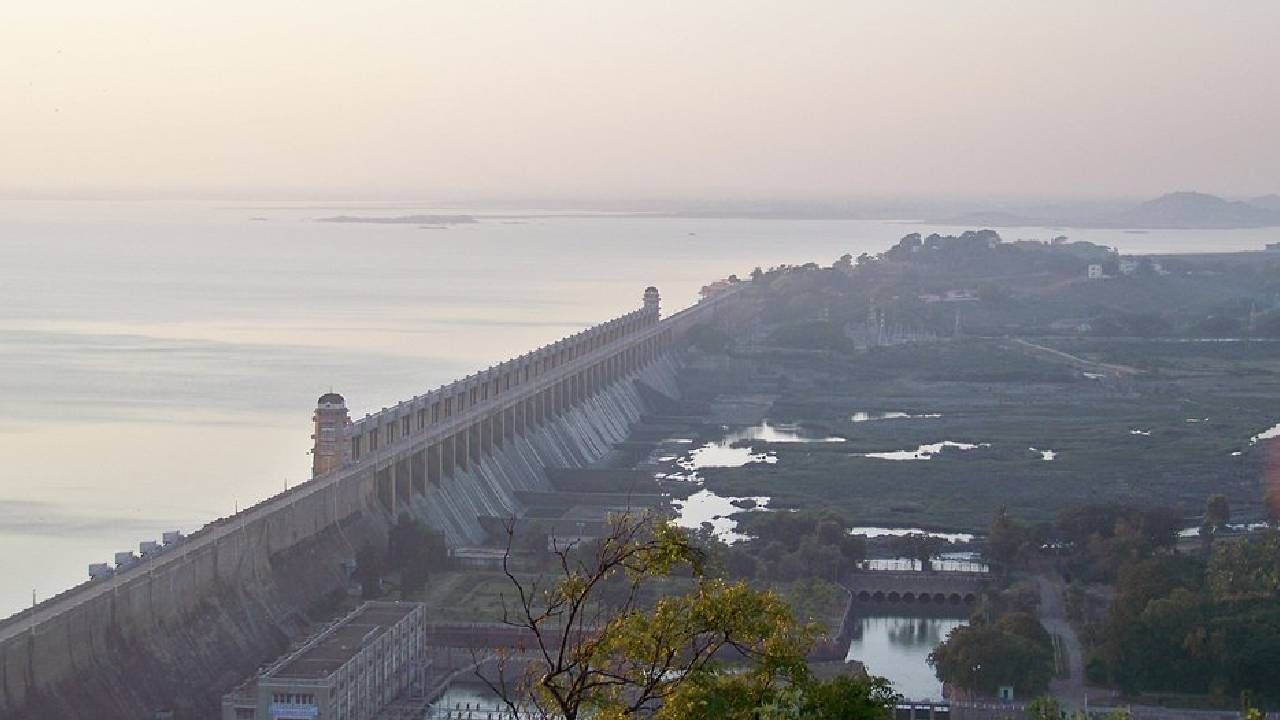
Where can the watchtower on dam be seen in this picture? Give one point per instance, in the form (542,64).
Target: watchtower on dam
(177,628)
(331,420)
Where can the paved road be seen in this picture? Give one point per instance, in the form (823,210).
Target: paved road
(1075,361)
(1053,615)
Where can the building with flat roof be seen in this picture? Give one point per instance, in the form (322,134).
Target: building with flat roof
(349,671)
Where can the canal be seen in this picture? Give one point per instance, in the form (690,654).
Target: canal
(897,647)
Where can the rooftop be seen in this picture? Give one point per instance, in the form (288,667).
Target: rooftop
(332,649)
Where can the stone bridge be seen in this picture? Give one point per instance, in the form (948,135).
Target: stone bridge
(918,587)
(172,630)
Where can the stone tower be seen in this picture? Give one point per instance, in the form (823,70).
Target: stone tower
(651,301)
(330,450)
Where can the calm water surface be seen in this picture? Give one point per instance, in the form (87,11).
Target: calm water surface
(898,648)
(159,361)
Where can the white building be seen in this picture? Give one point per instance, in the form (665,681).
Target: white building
(350,671)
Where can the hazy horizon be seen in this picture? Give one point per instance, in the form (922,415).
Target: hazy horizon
(610,103)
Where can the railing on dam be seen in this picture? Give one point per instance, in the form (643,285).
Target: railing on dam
(417,446)
(571,367)
(487,387)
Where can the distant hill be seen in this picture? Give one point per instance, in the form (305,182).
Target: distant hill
(1267,202)
(1178,210)
(1194,210)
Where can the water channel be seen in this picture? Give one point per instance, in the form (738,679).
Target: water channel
(468,701)
(897,648)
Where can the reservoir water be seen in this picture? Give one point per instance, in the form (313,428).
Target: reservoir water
(159,360)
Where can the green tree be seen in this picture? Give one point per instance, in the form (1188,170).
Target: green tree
(983,656)
(1217,512)
(919,546)
(730,696)
(1132,653)
(626,658)
(1246,569)
(1005,539)
(831,532)
(853,548)
(1045,707)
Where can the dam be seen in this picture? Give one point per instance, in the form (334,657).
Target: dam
(172,631)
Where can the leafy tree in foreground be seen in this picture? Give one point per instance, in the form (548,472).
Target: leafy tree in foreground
(612,655)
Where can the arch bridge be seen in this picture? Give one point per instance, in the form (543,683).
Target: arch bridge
(941,588)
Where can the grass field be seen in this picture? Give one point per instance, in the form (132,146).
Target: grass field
(1165,438)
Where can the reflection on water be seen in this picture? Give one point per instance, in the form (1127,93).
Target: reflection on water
(707,507)
(898,648)
(861,416)
(924,452)
(1047,455)
(871,531)
(711,455)
(943,562)
(720,454)
(1269,434)
(1194,530)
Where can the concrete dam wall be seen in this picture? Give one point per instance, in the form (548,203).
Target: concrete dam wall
(579,438)
(178,629)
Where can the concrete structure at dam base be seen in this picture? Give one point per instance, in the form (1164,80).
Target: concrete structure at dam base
(349,671)
(176,630)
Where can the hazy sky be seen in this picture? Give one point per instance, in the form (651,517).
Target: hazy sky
(638,99)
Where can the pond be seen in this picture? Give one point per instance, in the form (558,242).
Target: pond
(707,507)
(898,648)
(681,463)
